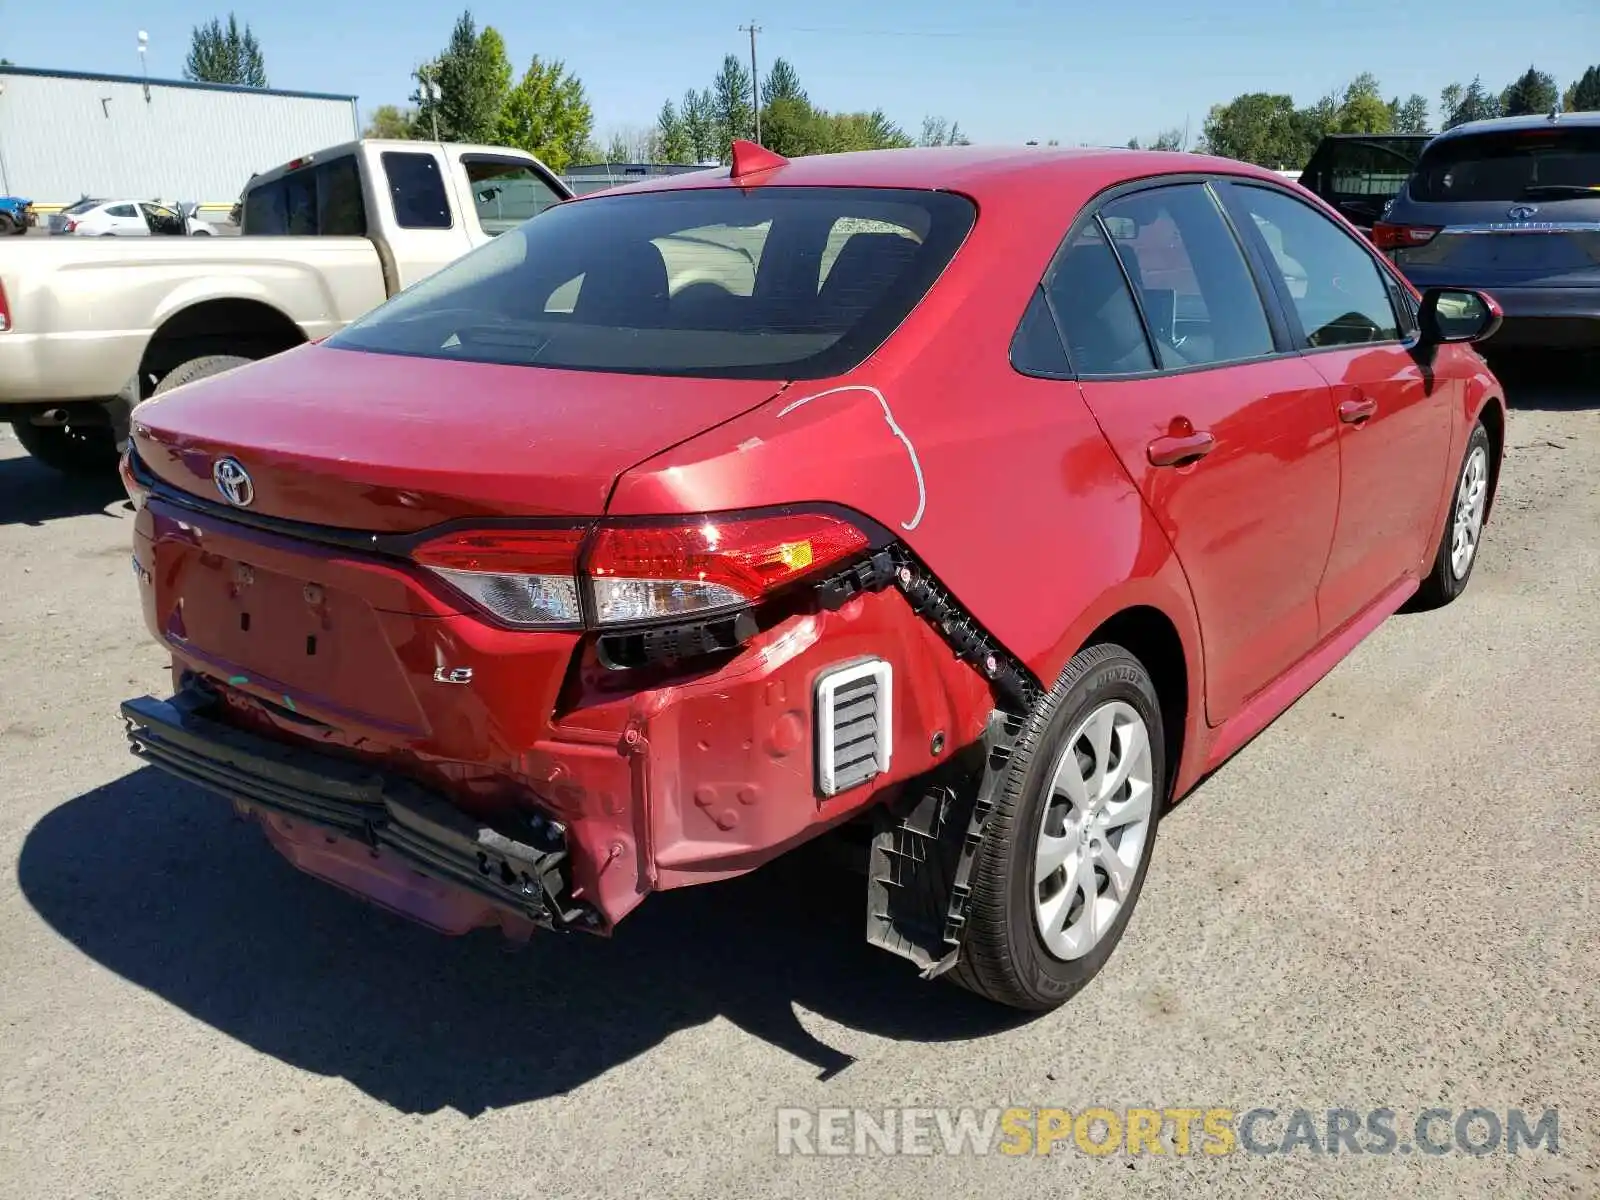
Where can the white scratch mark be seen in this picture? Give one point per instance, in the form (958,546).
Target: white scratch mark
(748,444)
(894,428)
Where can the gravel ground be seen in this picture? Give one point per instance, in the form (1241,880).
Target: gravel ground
(1387,899)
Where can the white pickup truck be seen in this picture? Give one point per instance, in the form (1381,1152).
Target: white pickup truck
(89,327)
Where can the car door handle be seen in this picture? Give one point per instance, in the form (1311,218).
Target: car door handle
(1173,450)
(1353,412)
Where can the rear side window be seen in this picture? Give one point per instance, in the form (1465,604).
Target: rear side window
(769,283)
(1339,293)
(1097,313)
(122,210)
(322,200)
(416,190)
(505,192)
(1530,164)
(1199,299)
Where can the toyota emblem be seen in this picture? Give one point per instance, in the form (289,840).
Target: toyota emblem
(1522,212)
(233,481)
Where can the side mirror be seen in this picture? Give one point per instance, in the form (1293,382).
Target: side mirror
(1457,315)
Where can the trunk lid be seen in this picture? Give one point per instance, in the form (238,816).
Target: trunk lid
(1516,204)
(390,443)
(1545,243)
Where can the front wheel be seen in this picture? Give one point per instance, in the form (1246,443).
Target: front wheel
(1457,552)
(1066,849)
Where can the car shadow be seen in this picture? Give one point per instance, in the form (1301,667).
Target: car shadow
(1549,382)
(158,882)
(33,494)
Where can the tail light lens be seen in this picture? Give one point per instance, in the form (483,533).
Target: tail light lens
(5,310)
(646,573)
(137,492)
(525,577)
(1401,237)
(532,579)
(71,226)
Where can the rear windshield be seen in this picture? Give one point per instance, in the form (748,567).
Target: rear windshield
(1513,165)
(769,283)
(1366,167)
(82,206)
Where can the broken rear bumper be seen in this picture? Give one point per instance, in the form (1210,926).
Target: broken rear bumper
(373,833)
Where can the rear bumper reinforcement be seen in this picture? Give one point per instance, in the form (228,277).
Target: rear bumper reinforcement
(522,873)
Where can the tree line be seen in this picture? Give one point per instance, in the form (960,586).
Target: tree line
(468,93)
(1269,130)
(702,126)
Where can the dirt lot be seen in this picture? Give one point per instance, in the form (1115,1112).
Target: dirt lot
(1388,899)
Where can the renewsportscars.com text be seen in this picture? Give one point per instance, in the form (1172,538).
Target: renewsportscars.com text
(1101,1131)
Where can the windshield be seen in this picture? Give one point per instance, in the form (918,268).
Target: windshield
(1511,165)
(765,283)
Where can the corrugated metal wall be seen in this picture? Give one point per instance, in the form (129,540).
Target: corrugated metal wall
(64,136)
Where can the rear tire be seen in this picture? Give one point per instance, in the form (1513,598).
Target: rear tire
(70,449)
(1457,552)
(199,368)
(9,226)
(1080,803)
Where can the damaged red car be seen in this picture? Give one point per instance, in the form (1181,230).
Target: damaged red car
(971,503)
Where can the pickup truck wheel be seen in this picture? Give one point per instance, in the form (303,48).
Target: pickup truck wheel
(1067,846)
(8,226)
(199,368)
(71,449)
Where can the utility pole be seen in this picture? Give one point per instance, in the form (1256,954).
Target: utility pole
(755,81)
(431,92)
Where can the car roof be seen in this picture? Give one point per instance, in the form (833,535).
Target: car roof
(973,170)
(1576,120)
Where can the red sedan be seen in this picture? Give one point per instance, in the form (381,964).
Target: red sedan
(974,503)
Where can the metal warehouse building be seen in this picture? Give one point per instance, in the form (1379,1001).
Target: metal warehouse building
(64,135)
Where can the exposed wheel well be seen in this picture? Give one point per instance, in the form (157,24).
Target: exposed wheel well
(244,327)
(1494,424)
(1150,636)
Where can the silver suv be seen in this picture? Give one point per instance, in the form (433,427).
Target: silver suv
(1511,207)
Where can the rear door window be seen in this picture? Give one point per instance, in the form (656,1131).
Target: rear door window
(416,190)
(1199,299)
(1523,164)
(776,282)
(122,210)
(506,192)
(1339,293)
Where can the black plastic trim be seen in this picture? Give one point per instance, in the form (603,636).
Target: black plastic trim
(525,872)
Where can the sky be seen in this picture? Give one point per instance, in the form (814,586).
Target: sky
(1007,70)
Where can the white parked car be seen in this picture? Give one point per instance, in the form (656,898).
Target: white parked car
(128,218)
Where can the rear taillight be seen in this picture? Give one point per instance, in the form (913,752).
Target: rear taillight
(1400,237)
(647,573)
(137,492)
(5,310)
(70,227)
(636,573)
(525,577)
